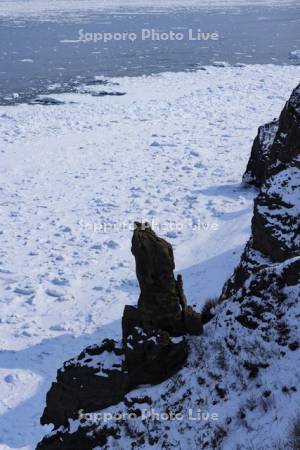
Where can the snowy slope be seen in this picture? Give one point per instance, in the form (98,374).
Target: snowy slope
(172,149)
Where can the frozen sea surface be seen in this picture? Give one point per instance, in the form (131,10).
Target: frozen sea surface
(74,9)
(41,49)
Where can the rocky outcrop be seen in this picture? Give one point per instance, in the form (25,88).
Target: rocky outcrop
(102,374)
(152,349)
(97,369)
(162,303)
(275,233)
(260,154)
(276,144)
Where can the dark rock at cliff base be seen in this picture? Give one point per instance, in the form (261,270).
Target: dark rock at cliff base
(93,380)
(101,375)
(83,439)
(153,347)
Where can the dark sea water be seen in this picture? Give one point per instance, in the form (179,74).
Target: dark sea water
(37,54)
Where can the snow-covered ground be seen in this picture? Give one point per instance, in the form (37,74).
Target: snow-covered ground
(172,151)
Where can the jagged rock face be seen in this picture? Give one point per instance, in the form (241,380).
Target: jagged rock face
(276,144)
(101,375)
(261,299)
(152,356)
(162,303)
(286,146)
(275,233)
(92,381)
(158,304)
(154,261)
(276,219)
(260,154)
